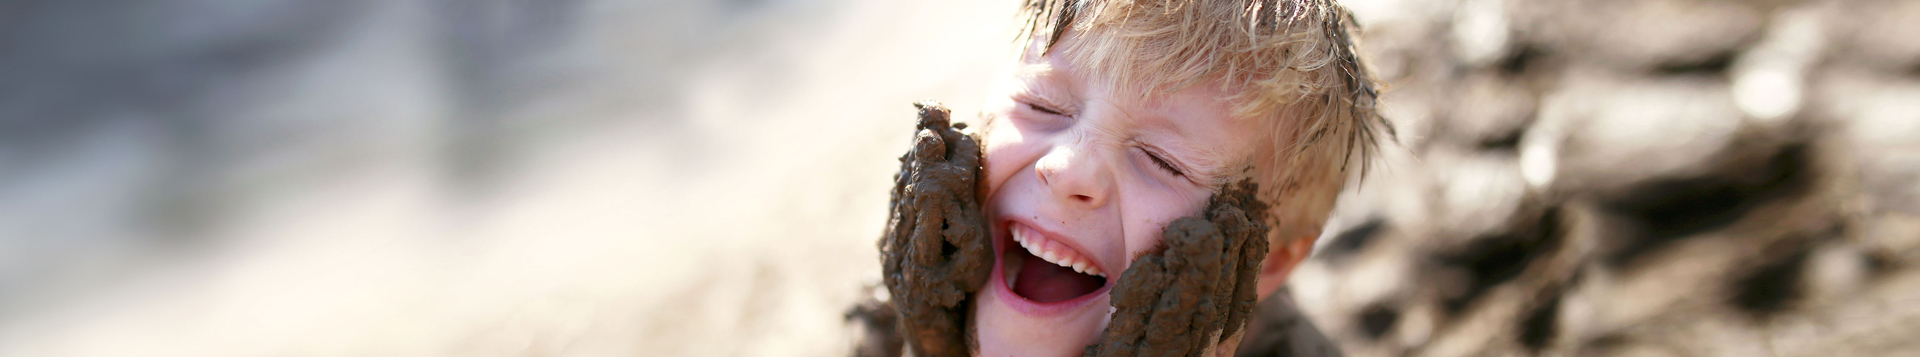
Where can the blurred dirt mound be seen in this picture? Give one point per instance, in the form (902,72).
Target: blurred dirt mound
(1665,177)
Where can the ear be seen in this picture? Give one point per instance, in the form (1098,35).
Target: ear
(1281,258)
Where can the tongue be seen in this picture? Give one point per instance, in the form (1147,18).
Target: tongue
(1045,282)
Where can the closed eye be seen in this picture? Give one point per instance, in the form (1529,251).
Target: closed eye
(1043,109)
(1163,163)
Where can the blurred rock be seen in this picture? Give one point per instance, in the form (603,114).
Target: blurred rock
(1667,177)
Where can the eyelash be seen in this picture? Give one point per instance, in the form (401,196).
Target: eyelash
(1044,109)
(1162,163)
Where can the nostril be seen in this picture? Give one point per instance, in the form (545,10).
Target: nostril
(1083,198)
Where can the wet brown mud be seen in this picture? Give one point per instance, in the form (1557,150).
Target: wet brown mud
(1197,288)
(936,250)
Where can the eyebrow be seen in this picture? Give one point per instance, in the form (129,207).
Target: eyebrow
(1039,81)
(1032,69)
(1209,163)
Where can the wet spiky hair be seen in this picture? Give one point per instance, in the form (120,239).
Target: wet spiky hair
(1291,63)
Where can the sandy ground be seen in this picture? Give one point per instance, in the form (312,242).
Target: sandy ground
(735,217)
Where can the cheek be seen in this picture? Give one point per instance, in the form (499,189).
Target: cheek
(1151,210)
(1005,152)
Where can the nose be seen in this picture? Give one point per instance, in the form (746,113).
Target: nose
(1074,175)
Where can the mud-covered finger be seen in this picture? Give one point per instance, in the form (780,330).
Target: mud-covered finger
(935,249)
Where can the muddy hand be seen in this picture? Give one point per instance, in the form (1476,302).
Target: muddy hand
(1197,288)
(935,251)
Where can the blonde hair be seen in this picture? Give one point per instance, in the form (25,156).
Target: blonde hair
(1290,62)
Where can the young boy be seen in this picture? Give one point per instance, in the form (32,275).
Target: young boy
(1123,116)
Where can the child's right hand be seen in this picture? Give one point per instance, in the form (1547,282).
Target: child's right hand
(936,250)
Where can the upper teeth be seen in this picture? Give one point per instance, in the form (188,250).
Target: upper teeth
(1054,252)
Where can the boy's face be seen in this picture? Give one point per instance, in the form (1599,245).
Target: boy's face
(1087,177)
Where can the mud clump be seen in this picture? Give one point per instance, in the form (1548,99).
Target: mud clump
(880,329)
(1197,288)
(936,250)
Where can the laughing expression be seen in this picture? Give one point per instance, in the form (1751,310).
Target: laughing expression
(1081,179)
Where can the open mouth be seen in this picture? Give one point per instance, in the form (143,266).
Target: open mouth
(1046,271)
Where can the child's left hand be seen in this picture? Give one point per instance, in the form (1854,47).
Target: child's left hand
(1196,290)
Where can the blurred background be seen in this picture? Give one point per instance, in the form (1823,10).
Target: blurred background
(701,178)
